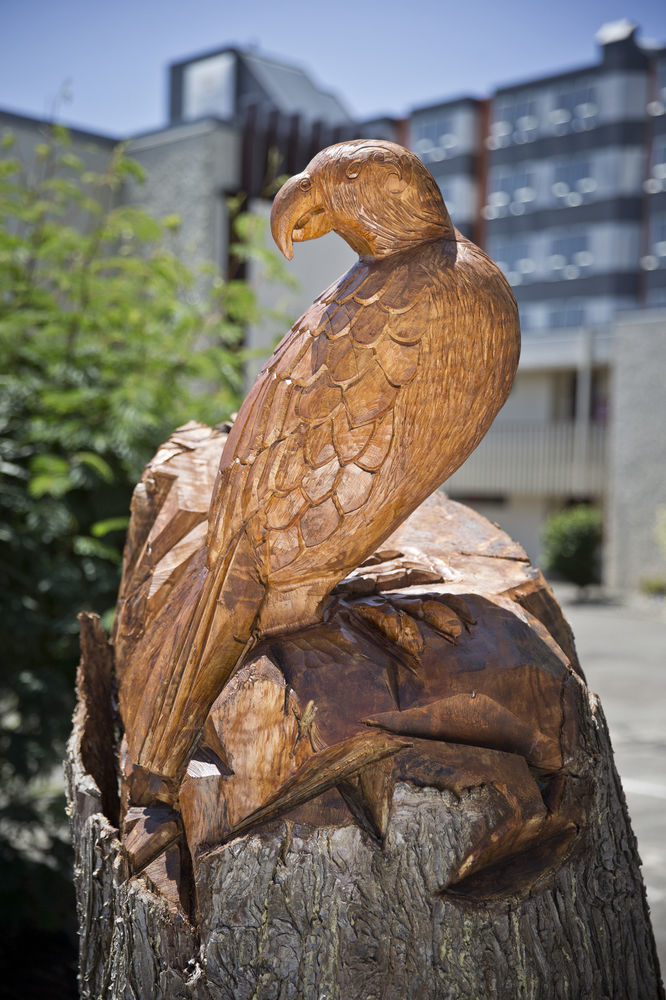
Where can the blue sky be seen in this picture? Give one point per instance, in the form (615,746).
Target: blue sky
(378,57)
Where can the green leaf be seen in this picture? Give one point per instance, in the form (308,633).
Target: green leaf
(572,544)
(7,168)
(72,161)
(108,617)
(128,222)
(106,341)
(50,475)
(86,546)
(130,168)
(101,528)
(55,486)
(61,135)
(11,469)
(96,462)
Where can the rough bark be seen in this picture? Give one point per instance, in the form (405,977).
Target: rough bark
(331,858)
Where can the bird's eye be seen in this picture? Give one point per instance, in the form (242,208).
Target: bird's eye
(305,184)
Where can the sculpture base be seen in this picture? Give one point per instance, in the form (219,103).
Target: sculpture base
(291,910)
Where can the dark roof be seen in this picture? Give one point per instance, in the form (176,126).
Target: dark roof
(619,53)
(292,90)
(447,105)
(545,81)
(287,87)
(14,118)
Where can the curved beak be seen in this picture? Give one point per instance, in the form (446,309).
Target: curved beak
(297,214)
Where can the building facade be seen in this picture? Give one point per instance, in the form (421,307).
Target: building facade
(563,183)
(562,179)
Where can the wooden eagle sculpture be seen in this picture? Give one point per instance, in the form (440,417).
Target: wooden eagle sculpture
(372,400)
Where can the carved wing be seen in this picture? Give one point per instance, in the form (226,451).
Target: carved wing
(315,430)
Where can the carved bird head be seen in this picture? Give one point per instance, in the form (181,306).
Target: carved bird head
(376,195)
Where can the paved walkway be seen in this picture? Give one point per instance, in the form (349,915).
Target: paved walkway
(622,650)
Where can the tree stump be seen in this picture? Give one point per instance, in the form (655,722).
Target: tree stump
(414,798)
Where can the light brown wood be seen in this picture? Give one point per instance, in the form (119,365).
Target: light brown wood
(431,644)
(308,639)
(371,401)
(321,866)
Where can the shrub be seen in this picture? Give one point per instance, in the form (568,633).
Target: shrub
(104,350)
(572,544)
(654,586)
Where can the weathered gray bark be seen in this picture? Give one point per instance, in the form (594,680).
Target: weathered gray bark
(132,942)
(289,911)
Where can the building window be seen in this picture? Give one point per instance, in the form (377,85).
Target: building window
(448,188)
(661,80)
(566,315)
(575,107)
(530,319)
(657,107)
(656,182)
(573,182)
(514,258)
(659,234)
(570,256)
(599,397)
(209,87)
(659,156)
(515,119)
(434,138)
(656,258)
(512,190)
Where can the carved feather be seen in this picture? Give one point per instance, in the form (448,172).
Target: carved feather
(322,771)
(374,397)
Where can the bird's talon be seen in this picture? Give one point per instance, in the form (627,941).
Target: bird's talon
(461,608)
(397,625)
(450,615)
(398,619)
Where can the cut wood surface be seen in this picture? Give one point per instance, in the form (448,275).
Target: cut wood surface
(356,754)
(413,797)
(375,396)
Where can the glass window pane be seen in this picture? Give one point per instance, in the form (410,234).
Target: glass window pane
(209,87)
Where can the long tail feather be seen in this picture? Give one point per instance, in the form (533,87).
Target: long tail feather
(183,662)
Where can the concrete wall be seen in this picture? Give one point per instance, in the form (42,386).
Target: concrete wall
(190,171)
(94,151)
(532,398)
(637,496)
(315,266)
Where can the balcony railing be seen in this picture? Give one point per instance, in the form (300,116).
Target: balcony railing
(558,459)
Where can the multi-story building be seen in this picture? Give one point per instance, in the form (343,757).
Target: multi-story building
(448,138)
(564,196)
(653,245)
(567,174)
(562,179)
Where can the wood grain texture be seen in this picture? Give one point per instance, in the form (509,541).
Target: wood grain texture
(399,651)
(359,755)
(129,936)
(385,886)
(370,402)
